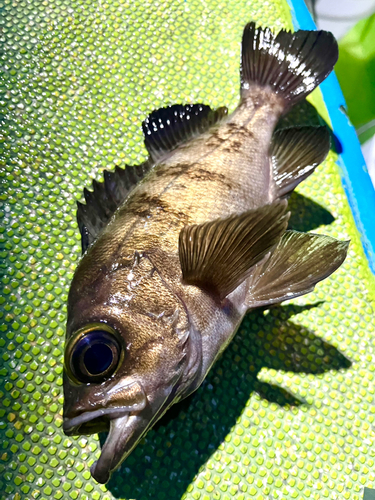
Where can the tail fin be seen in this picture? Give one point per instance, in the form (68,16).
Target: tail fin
(291,64)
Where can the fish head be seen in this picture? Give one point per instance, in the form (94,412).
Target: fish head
(125,355)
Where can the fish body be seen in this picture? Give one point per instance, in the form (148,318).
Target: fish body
(178,249)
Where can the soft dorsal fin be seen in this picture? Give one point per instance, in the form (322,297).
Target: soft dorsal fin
(166,128)
(296,152)
(298,263)
(217,256)
(106,197)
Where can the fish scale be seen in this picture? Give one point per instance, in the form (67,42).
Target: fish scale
(173,187)
(335,427)
(199,271)
(243,169)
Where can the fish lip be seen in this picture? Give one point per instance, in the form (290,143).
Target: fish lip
(124,435)
(118,445)
(102,468)
(71,425)
(126,432)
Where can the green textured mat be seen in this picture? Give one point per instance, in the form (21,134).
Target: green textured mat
(288,411)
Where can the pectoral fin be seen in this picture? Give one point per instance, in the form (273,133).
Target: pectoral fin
(298,263)
(217,256)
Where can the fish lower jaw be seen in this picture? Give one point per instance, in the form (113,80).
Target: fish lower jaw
(114,449)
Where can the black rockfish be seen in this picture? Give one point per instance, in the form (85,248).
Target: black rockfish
(178,249)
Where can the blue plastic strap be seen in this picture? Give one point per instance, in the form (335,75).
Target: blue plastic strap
(354,175)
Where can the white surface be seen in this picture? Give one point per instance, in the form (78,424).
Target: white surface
(338,16)
(368,150)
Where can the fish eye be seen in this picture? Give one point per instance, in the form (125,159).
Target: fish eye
(93,355)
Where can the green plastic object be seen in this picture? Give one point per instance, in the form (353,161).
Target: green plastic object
(369,494)
(356,73)
(288,411)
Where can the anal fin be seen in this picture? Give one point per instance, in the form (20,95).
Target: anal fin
(298,263)
(218,256)
(295,153)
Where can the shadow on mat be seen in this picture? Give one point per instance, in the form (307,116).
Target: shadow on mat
(306,214)
(305,114)
(166,461)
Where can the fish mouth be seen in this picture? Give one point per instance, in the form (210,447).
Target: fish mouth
(126,426)
(91,422)
(118,402)
(124,434)
(125,412)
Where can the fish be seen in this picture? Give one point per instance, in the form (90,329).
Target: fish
(178,249)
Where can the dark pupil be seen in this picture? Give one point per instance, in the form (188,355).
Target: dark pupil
(98,358)
(96,353)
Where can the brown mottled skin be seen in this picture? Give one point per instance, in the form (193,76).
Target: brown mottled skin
(162,334)
(130,278)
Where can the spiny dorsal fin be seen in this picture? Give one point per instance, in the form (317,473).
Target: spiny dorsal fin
(296,152)
(106,197)
(297,264)
(166,128)
(290,64)
(217,256)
